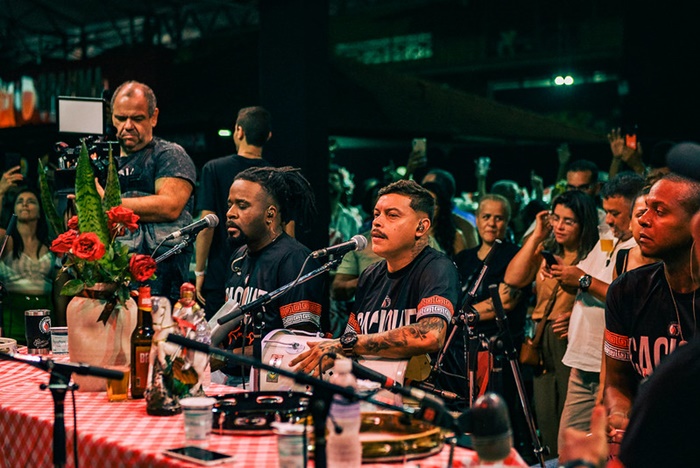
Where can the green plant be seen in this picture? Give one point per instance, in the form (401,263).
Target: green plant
(88,242)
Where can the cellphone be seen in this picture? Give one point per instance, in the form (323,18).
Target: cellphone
(549,257)
(198,455)
(420,145)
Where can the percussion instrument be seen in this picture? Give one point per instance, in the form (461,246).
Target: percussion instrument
(251,413)
(281,346)
(8,345)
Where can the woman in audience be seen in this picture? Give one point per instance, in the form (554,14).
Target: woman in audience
(570,231)
(492,217)
(27,266)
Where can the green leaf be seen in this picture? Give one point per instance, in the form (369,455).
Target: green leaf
(113,195)
(53,219)
(91,217)
(72,287)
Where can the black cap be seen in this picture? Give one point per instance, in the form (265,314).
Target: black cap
(684,159)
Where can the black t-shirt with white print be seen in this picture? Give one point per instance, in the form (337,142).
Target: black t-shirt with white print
(428,286)
(641,321)
(254,274)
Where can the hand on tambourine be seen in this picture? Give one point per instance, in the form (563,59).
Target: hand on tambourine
(307,361)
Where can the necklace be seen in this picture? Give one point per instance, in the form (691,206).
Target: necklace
(678,315)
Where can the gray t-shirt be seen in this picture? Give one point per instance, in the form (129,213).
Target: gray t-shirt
(138,173)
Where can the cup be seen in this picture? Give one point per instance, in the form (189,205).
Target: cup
(606,238)
(198,419)
(118,389)
(59,340)
(290,444)
(37,326)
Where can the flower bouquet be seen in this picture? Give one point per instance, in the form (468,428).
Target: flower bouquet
(92,254)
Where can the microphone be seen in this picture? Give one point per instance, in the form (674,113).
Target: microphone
(357,242)
(489,425)
(210,220)
(416,390)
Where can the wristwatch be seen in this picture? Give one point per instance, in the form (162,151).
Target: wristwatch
(348,341)
(584,283)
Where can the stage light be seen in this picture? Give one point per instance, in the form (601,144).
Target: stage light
(225,133)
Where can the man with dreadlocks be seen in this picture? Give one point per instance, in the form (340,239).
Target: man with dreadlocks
(261,201)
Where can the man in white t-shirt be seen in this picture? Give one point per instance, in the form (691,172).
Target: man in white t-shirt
(592,276)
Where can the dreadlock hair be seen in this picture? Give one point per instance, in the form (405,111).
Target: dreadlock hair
(421,200)
(289,189)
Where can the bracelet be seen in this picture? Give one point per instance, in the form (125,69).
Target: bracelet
(199,273)
(621,413)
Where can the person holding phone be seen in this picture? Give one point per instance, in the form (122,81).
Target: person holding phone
(625,149)
(569,231)
(27,266)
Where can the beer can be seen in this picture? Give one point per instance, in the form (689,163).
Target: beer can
(37,327)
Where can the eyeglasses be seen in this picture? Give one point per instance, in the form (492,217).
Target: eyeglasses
(568,222)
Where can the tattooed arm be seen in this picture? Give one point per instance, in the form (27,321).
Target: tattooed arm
(425,336)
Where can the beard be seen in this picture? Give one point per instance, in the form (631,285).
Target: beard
(239,241)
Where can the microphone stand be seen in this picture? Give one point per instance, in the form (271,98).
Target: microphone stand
(503,343)
(59,384)
(434,411)
(262,301)
(176,249)
(466,321)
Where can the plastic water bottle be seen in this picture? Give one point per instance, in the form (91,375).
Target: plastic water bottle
(344,449)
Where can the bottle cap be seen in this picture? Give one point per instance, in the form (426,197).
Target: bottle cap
(145,298)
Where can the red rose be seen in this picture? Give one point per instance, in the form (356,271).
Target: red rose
(64,242)
(142,266)
(121,217)
(73,223)
(88,247)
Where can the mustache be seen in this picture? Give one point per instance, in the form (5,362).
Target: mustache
(378,233)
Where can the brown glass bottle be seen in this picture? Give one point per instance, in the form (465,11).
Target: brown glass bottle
(141,340)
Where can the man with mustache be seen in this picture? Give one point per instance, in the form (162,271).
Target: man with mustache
(403,303)
(157,180)
(261,200)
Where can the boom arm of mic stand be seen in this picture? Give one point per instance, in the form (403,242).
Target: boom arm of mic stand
(176,249)
(511,355)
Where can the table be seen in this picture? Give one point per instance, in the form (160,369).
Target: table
(122,434)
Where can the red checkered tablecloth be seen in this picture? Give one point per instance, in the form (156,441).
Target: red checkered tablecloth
(121,434)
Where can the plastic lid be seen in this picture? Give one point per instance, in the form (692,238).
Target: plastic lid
(342,366)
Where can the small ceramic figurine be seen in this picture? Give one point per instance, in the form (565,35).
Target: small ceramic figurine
(175,372)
